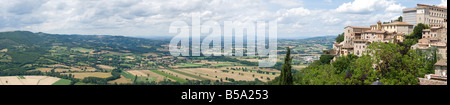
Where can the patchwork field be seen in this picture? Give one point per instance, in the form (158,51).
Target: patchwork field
(198,75)
(237,75)
(254,68)
(177,74)
(121,80)
(65,70)
(90,74)
(106,67)
(83,50)
(28,80)
(147,73)
(250,60)
(62,82)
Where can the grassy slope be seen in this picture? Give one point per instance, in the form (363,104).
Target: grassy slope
(62,82)
(190,75)
(169,76)
(140,78)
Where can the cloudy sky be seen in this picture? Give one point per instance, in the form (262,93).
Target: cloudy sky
(296,18)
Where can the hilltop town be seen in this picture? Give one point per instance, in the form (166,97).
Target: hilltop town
(401,31)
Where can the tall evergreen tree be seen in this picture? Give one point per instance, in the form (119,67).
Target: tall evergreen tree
(135,79)
(286,75)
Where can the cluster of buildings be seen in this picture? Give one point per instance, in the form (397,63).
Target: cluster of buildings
(436,36)
(357,39)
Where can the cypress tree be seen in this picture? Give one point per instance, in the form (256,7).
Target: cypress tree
(286,75)
(135,79)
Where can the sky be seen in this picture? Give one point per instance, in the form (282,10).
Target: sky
(152,18)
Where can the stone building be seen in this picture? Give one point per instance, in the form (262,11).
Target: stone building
(434,37)
(439,77)
(357,39)
(430,15)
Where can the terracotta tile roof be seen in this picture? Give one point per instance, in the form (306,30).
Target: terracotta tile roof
(424,40)
(397,23)
(359,27)
(442,62)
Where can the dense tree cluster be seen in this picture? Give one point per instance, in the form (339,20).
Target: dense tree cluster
(382,60)
(340,38)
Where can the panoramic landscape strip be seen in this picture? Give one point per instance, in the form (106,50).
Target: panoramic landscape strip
(409,49)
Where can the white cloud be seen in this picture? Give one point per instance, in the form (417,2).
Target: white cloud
(288,3)
(367,6)
(395,8)
(443,3)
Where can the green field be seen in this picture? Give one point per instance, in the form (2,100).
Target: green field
(145,79)
(81,83)
(223,64)
(169,76)
(190,65)
(187,74)
(81,49)
(127,65)
(62,82)
(139,79)
(127,75)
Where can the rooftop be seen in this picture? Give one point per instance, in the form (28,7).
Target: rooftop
(442,62)
(358,27)
(397,23)
(442,7)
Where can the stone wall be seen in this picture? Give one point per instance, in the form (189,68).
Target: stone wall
(424,81)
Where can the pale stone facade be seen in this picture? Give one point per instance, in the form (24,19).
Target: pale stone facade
(357,39)
(399,27)
(430,15)
(410,16)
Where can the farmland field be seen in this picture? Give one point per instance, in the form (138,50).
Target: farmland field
(121,80)
(90,74)
(28,80)
(146,73)
(169,76)
(83,50)
(191,65)
(106,67)
(134,61)
(187,74)
(237,75)
(62,82)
